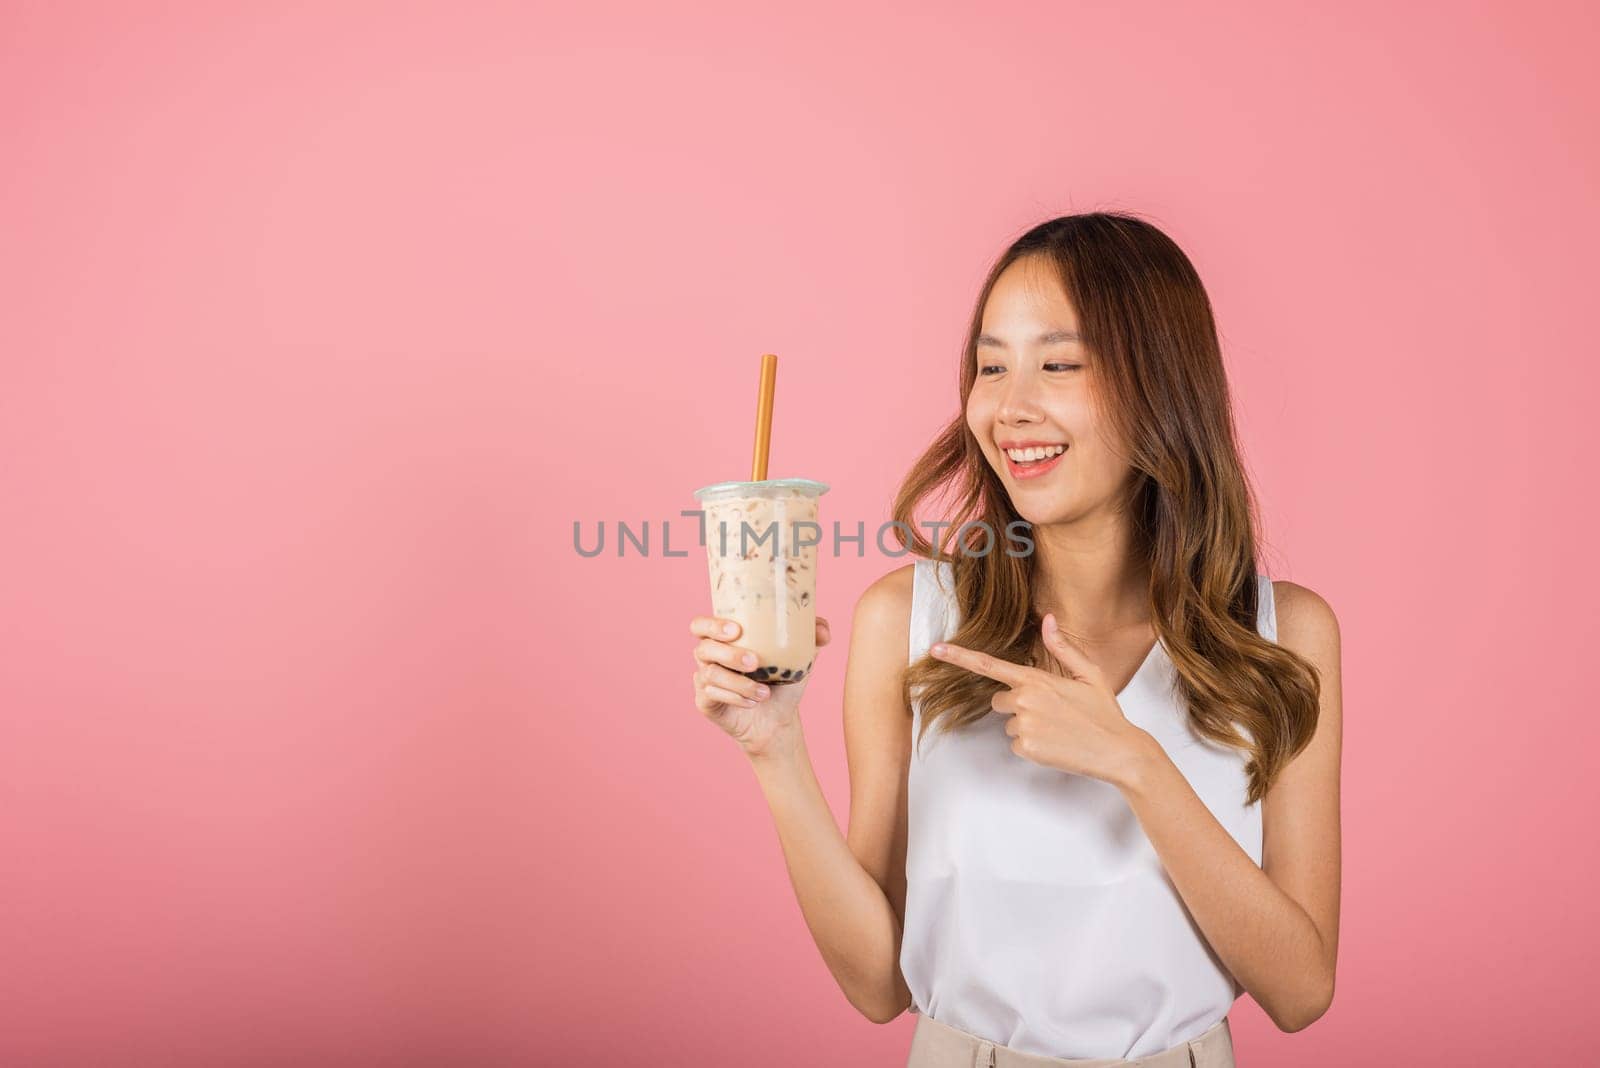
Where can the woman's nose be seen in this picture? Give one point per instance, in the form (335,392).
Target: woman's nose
(1019,404)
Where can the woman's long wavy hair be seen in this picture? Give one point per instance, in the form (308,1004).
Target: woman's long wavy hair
(1159,378)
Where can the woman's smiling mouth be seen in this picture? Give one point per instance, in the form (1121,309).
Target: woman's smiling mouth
(1031,459)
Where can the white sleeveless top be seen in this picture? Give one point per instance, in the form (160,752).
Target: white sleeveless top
(1038,914)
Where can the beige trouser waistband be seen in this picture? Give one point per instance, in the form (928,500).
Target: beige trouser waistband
(937,1045)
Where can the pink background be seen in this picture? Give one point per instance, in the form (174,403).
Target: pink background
(323,324)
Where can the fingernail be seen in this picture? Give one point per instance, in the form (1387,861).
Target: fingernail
(938,649)
(748,660)
(763,693)
(728,629)
(747,702)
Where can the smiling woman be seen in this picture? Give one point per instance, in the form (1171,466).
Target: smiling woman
(1094,786)
(1144,429)
(1134,666)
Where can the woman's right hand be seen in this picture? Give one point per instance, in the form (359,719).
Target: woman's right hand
(755,715)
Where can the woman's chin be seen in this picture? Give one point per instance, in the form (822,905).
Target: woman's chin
(1044,515)
(1037,517)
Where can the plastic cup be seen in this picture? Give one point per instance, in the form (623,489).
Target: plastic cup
(761,545)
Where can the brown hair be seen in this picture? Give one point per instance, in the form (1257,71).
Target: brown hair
(1144,314)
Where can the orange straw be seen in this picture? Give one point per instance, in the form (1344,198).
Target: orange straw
(769,381)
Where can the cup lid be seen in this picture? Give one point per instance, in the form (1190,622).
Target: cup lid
(771,487)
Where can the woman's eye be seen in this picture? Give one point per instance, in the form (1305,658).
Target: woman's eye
(991,369)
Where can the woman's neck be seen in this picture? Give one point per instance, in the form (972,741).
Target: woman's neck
(1089,575)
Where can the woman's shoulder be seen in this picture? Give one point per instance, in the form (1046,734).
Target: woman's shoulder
(888,599)
(1306,621)
(880,635)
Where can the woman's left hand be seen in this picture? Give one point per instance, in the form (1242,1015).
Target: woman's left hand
(1074,724)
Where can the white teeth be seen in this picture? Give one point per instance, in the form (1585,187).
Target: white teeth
(1036,452)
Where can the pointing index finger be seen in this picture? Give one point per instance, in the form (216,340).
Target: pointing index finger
(982,663)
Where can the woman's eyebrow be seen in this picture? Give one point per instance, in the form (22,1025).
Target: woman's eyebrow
(1053,337)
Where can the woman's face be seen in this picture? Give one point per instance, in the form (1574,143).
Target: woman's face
(1035,389)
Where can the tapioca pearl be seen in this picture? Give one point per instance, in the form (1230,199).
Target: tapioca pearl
(786,673)
(798,675)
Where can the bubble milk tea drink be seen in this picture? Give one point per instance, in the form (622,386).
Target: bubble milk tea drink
(761,544)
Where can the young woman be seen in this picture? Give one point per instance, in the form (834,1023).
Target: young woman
(1094,770)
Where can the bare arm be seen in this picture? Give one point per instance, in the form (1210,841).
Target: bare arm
(851,889)
(1275,927)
